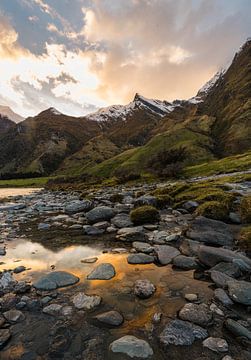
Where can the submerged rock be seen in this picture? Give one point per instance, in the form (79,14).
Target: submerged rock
(113,318)
(144,289)
(132,347)
(89,260)
(104,271)
(55,280)
(179,332)
(85,302)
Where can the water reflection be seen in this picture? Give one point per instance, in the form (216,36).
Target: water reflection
(7,192)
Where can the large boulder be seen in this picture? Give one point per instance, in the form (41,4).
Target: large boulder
(197,314)
(104,271)
(122,221)
(54,280)
(76,206)
(100,213)
(165,253)
(210,256)
(132,347)
(179,332)
(240,291)
(212,232)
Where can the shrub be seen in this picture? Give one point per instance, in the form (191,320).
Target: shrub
(214,210)
(245,209)
(144,214)
(163,201)
(245,238)
(125,175)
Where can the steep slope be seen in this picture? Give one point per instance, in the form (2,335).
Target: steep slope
(5,124)
(10,114)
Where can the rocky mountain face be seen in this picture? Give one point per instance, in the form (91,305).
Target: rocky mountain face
(5,124)
(10,114)
(213,124)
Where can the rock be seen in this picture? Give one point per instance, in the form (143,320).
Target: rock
(52,309)
(190,205)
(55,280)
(144,289)
(76,227)
(214,308)
(216,344)
(240,291)
(7,280)
(89,260)
(132,347)
(165,253)
(142,247)
(222,297)
(85,302)
(229,269)
(235,218)
(157,318)
(146,200)
(102,225)
(210,231)
(14,316)
(210,256)
(2,251)
(113,318)
(185,262)
(100,213)
(122,221)
(45,300)
(132,234)
(140,258)
(11,207)
(191,297)
(5,335)
(227,357)
(104,271)
(189,247)
(92,230)
(220,279)
(43,226)
(179,332)
(67,310)
(237,329)
(19,269)
(78,206)
(197,314)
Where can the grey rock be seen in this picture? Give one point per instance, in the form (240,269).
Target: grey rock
(191,297)
(190,205)
(55,280)
(92,230)
(102,225)
(140,258)
(235,218)
(5,335)
(142,247)
(132,347)
(100,213)
(216,344)
(85,302)
(132,234)
(222,297)
(19,269)
(240,291)
(237,329)
(104,271)
(189,247)
(122,220)
(185,262)
(14,316)
(197,314)
(77,206)
(165,253)
(144,289)
(219,278)
(52,309)
(179,332)
(145,200)
(2,251)
(210,256)
(210,231)
(7,280)
(113,318)
(229,269)
(43,226)
(11,207)
(67,310)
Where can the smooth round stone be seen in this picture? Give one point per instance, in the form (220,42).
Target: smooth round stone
(19,269)
(140,258)
(100,213)
(55,280)
(216,344)
(132,347)
(144,289)
(104,271)
(191,297)
(113,318)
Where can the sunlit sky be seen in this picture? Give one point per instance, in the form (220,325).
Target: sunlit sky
(79,55)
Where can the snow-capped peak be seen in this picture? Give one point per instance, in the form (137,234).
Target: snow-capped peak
(208,85)
(54,111)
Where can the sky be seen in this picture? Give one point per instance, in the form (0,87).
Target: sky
(80,55)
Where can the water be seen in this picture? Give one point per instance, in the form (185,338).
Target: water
(11,192)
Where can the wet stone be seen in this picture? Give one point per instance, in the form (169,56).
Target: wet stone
(132,347)
(19,269)
(142,247)
(197,314)
(165,253)
(240,291)
(237,329)
(140,258)
(222,297)
(100,213)
(229,269)
(104,271)
(216,344)
(219,278)
(144,289)
(89,260)
(55,280)
(113,318)
(185,262)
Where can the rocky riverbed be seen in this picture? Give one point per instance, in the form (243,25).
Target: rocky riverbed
(80,280)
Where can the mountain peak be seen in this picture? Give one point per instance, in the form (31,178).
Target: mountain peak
(10,114)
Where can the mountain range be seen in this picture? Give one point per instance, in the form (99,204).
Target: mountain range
(212,125)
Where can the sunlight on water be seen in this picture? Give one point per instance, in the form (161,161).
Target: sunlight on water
(7,192)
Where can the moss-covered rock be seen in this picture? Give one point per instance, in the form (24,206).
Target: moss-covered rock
(245,209)
(214,210)
(163,201)
(245,238)
(144,214)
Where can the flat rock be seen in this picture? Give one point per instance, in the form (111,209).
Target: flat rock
(210,256)
(219,278)
(165,253)
(85,302)
(122,220)
(240,291)
(227,268)
(212,232)
(179,332)
(222,297)
(189,247)
(144,289)
(78,206)
(185,262)
(89,260)
(132,234)
(142,247)
(43,226)
(197,314)
(132,347)
(55,280)
(104,271)
(14,316)
(237,329)
(52,309)
(19,269)
(140,258)
(113,318)
(92,230)
(5,335)
(216,344)
(10,207)
(100,213)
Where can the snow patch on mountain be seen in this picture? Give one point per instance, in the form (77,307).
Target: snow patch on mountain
(55,111)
